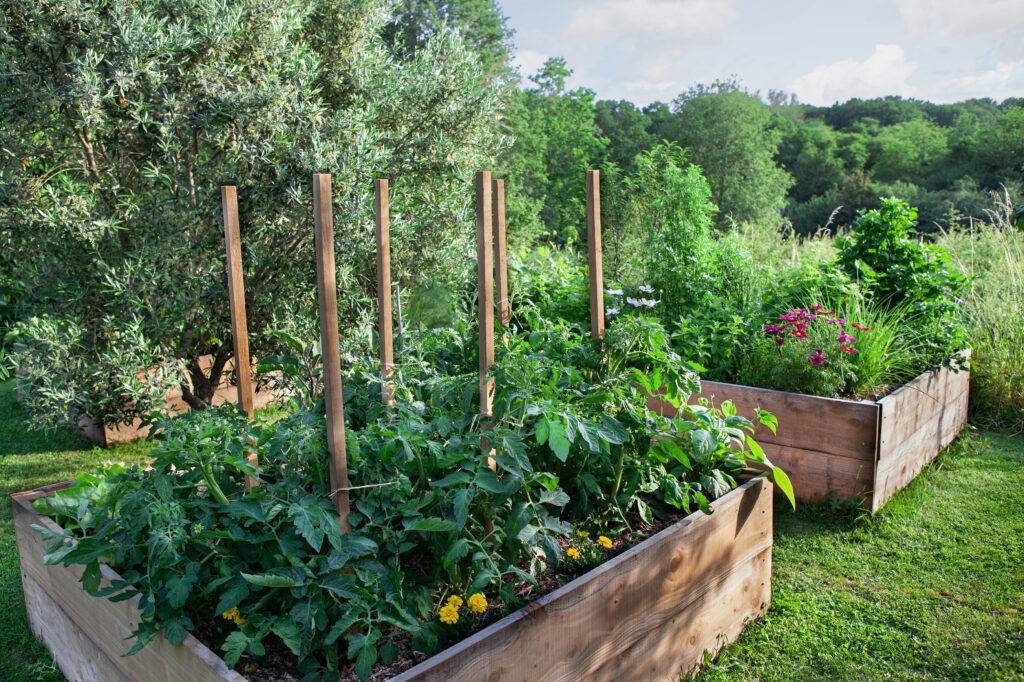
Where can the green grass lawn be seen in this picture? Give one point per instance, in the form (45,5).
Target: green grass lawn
(931,589)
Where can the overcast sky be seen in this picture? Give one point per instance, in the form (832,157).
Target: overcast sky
(823,50)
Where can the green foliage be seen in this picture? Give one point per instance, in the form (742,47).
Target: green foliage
(572,438)
(727,132)
(123,119)
(897,271)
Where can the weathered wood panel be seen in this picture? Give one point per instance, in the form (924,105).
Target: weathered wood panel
(848,428)
(650,613)
(818,476)
(918,420)
(88,636)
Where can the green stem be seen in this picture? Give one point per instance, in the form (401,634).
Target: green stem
(212,485)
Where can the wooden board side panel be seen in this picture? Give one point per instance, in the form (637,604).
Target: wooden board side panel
(937,417)
(656,608)
(819,476)
(107,625)
(846,428)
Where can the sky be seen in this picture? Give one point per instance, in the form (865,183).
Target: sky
(822,50)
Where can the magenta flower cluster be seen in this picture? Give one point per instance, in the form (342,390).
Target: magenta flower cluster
(796,322)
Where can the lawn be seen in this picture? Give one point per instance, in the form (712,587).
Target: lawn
(931,589)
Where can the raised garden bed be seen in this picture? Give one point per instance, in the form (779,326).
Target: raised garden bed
(850,449)
(651,612)
(106,436)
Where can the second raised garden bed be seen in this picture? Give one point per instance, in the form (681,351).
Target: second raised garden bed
(856,450)
(651,613)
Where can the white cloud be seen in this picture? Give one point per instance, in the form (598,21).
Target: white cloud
(961,18)
(1005,80)
(886,72)
(661,19)
(529,61)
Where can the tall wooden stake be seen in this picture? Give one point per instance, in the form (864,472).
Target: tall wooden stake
(594,254)
(500,254)
(323,218)
(485,289)
(383,229)
(236,298)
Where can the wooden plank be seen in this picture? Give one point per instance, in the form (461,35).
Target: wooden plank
(485,290)
(327,294)
(501,254)
(847,428)
(236,298)
(382,224)
(818,476)
(594,258)
(88,634)
(649,613)
(239,323)
(918,421)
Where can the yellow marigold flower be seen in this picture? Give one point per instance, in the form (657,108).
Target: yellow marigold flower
(572,553)
(233,614)
(455,600)
(449,614)
(605,542)
(583,533)
(477,603)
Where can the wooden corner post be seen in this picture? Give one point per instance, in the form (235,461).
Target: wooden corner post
(383,228)
(485,290)
(594,254)
(323,219)
(236,299)
(501,254)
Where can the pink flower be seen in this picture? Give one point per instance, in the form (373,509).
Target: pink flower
(845,338)
(799,333)
(817,306)
(779,340)
(848,349)
(860,327)
(817,358)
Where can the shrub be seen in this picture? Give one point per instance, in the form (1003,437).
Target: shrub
(123,118)
(898,271)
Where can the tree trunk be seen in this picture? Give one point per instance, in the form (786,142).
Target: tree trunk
(200,395)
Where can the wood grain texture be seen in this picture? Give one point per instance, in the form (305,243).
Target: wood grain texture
(501,255)
(87,635)
(818,476)
(485,289)
(236,301)
(649,614)
(847,428)
(382,224)
(594,255)
(918,420)
(327,294)
(236,298)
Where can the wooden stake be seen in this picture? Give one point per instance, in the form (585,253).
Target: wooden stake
(594,254)
(500,254)
(323,218)
(236,299)
(383,229)
(485,289)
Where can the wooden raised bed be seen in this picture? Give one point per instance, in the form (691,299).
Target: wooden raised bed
(650,613)
(849,449)
(226,392)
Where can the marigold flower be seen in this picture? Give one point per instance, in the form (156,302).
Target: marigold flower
(455,600)
(449,615)
(477,603)
(604,541)
(572,553)
(233,614)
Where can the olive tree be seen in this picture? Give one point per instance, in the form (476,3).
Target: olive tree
(123,118)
